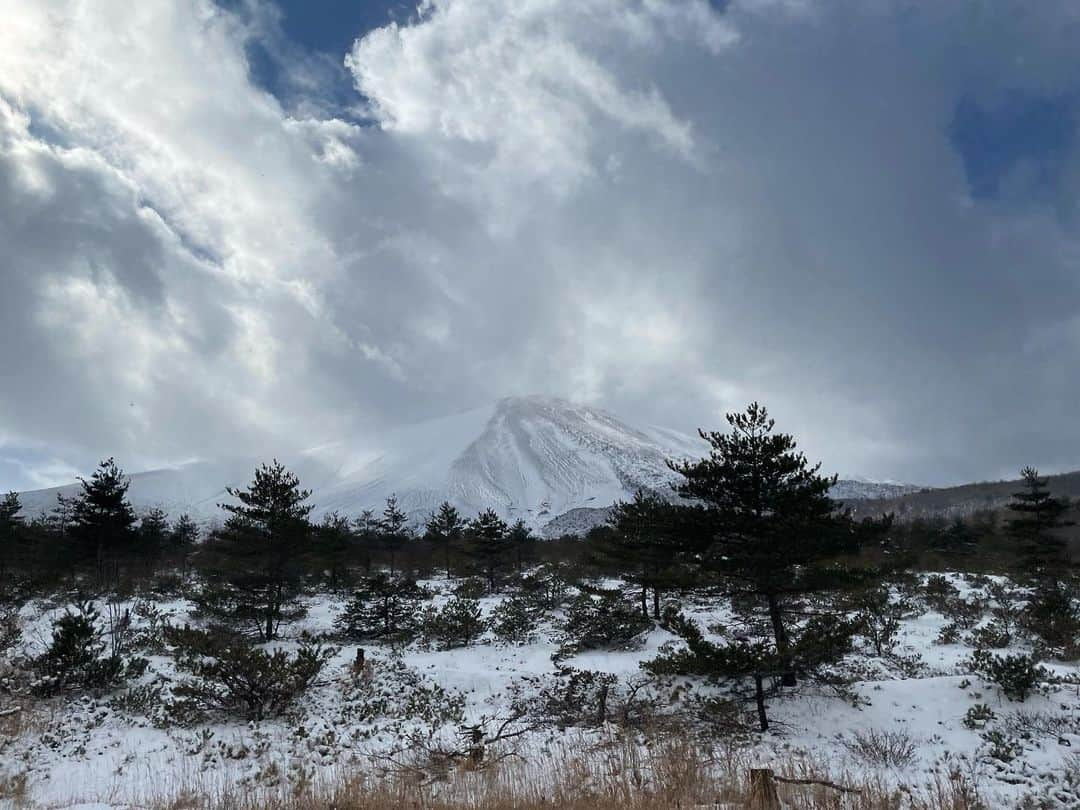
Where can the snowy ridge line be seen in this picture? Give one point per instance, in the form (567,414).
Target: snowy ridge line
(556,465)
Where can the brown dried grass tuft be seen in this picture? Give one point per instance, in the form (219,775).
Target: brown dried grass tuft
(672,773)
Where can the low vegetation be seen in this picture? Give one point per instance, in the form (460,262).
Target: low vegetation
(359,662)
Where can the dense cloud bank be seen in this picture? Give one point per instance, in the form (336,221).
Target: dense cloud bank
(664,207)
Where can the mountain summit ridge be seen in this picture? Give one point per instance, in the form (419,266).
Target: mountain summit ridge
(533,458)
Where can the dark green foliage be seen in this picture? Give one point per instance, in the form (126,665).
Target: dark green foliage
(458,623)
(1037,517)
(994,636)
(514,620)
(232,676)
(643,544)
(1052,614)
(333,545)
(775,532)
(10,522)
(602,620)
(445,530)
(185,532)
(576,697)
(488,546)
(153,534)
(1017,675)
(254,565)
(544,588)
(10,632)
(366,534)
(879,618)
(11,547)
(78,656)
(521,541)
(102,519)
(821,641)
(957,539)
(393,530)
(740,658)
(182,540)
(383,608)
(938,592)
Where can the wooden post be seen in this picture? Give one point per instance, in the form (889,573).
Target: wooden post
(762,790)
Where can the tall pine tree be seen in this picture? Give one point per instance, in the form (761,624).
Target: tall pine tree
(1037,517)
(334,542)
(643,544)
(393,530)
(776,536)
(487,544)
(445,529)
(103,520)
(10,524)
(255,563)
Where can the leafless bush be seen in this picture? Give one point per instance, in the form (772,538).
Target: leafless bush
(1036,725)
(887,749)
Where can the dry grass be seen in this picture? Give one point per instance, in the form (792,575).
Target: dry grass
(615,774)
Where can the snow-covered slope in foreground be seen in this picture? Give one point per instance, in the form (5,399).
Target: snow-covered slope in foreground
(532,458)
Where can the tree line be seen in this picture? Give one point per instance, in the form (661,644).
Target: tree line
(752,522)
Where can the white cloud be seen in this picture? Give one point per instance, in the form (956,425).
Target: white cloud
(528,95)
(650,204)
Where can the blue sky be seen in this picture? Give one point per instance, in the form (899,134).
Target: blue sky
(1016,130)
(994,136)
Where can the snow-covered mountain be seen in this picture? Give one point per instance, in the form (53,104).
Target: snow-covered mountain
(533,458)
(855,488)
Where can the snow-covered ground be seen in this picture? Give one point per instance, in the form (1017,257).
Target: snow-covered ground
(88,750)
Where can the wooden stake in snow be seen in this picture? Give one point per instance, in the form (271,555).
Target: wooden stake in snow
(762,790)
(763,794)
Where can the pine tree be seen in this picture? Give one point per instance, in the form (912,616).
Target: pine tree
(956,540)
(366,535)
(61,519)
(776,534)
(10,524)
(383,607)
(185,533)
(487,545)
(520,539)
(643,545)
(445,528)
(255,563)
(153,534)
(103,519)
(1038,514)
(182,539)
(393,529)
(334,546)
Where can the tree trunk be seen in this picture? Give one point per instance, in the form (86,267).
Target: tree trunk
(780,634)
(759,697)
(656,603)
(645,601)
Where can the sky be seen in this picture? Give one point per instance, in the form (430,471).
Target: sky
(243,227)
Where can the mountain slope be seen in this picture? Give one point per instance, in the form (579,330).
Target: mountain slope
(960,501)
(529,458)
